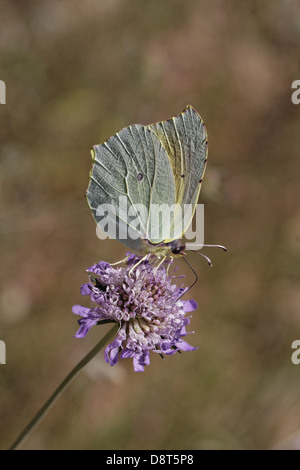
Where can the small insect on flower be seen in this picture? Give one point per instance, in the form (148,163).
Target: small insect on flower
(145,303)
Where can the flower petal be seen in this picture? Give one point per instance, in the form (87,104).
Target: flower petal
(165,345)
(140,360)
(184,346)
(111,354)
(86,289)
(85,326)
(189,305)
(137,365)
(126,353)
(80,310)
(99,268)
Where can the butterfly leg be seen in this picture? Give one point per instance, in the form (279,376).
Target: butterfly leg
(160,263)
(136,264)
(120,262)
(169,264)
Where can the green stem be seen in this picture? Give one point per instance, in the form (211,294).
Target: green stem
(49,403)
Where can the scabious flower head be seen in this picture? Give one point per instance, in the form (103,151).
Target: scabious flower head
(146,305)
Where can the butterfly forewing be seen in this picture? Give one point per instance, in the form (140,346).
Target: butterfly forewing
(184,138)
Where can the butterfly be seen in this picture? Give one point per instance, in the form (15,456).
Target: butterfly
(158,166)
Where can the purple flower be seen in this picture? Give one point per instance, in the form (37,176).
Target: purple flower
(146,305)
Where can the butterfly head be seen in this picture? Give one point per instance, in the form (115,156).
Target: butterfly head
(177,247)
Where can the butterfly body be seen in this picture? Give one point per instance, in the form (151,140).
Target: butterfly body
(174,248)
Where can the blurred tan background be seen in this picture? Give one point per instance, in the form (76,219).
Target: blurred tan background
(76,73)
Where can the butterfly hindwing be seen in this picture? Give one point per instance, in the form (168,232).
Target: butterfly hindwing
(131,169)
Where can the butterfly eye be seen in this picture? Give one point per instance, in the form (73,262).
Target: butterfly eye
(177,247)
(140,176)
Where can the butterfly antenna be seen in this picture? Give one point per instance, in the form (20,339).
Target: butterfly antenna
(204,256)
(214,246)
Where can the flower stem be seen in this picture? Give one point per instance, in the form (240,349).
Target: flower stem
(49,403)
